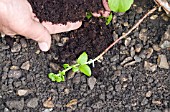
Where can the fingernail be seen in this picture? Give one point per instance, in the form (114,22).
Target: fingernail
(43,46)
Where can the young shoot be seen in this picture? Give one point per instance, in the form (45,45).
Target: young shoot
(81,65)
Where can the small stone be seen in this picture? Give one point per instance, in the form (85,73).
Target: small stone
(125,24)
(149,52)
(33,103)
(127,41)
(156,47)
(162,61)
(148,94)
(157,102)
(149,66)
(143,35)
(126,60)
(138,47)
(2,35)
(48,110)
(165,44)
(71,74)
(77,79)
(132,52)
(64,40)
(56,37)
(153,17)
(14,67)
(144,101)
(23,42)
(54,66)
(114,58)
(139,10)
(137,59)
(48,103)
(66,91)
(22,92)
(118,87)
(165,17)
(130,63)
(16,47)
(14,74)
(72,103)
(26,65)
(16,104)
(156,110)
(37,51)
(91,82)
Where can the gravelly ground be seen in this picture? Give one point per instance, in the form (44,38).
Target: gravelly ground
(134,75)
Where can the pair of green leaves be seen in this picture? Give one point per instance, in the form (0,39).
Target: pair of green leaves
(82,61)
(81,66)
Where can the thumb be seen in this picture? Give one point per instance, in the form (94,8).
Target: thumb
(36,31)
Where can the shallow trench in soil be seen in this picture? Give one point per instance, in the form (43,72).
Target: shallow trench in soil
(132,77)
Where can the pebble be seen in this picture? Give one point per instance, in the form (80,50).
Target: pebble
(22,92)
(138,47)
(66,91)
(139,10)
(153,17)
(157,102)
(132,51)
(48,103)
(144,101)
(54,66)
(165,44)
(23,43)
(137,58)
(156,47)
(64,40)
(77,79)
(16,104)
(148,94)
(114,58)
(33,103)
(126,60)
(97,105)
(48,110)
(149,52)
(130,63)
(14,74)
(16,47)
(14,67)
(56,37)
(26,65)
(143,35)
(91,82)
(126,24)
(127,41)
(149,66)
(118,87)
(162,61)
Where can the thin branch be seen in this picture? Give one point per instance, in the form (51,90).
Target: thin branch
(126,34)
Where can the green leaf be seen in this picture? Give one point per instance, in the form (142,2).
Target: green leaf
(85,69)
(62,73)
(75,69)
(58,79)
(109,19)
(63,78)
(66,65)
(82,58)
(88,15)
(120,5)
(52,76)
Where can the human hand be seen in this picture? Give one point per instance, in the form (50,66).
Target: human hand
(104,13)
(16,17)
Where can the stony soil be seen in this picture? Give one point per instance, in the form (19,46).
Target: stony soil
(133,76)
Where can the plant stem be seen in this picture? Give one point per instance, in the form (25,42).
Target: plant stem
(123,36)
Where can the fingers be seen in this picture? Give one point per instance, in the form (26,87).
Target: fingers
(36,31)
(106,6)
(58,28)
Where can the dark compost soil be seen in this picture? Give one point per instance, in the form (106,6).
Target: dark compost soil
(62,11)
(24,85)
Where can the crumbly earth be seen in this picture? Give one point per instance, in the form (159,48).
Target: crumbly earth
(122,82)
(62,11)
